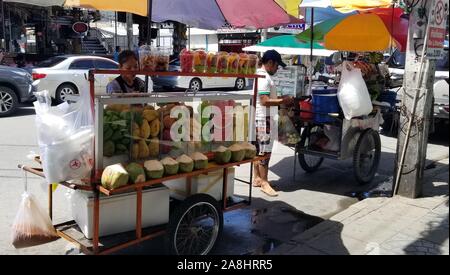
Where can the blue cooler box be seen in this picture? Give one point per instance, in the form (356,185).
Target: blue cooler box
(325,101)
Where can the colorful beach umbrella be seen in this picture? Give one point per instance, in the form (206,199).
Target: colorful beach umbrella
(346,6)
(206,14)
(290,45)
(372,30)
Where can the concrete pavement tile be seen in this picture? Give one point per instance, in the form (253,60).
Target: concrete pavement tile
(334,243)
(401,244)
(443,208)
(372,232)
(317,231)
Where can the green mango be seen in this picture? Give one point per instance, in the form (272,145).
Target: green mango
(109,148)
(126,141)
(120,148)
(108,134)
(117,136)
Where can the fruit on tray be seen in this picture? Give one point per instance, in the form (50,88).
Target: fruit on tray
(114,176)
(250,150)
(186,61)
(155,128)
(222,155)
(153,147)
(200,61)
(237,153)
(145,129)
(144,152)
(136,131)
(171,166)
(200,160)
(252,63)
(136,172)
(243,63)
(168,122)
(135,151)
(222,63)
(211,63)
(150,115)
(109,148)
(154,169)
(186,164)
(233,63)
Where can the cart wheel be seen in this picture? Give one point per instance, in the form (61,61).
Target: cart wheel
(367,156)
(194,226)
(308,163)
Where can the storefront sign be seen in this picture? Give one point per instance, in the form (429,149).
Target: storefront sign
(80,27)
(437,31)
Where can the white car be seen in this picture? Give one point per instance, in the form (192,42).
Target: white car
(68,75)
(164,83)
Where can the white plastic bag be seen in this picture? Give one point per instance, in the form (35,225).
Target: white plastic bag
(353,95)
(32,225)
(65,137)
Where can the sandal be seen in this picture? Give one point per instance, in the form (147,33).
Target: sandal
(268,190)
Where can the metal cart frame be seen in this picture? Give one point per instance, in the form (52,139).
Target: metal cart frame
(359,139)
(69,231)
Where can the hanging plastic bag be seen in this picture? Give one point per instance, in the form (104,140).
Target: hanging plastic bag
(32,226)
(353,95)
(65,137)
(287,134)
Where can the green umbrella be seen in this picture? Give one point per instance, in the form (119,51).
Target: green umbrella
(290,45)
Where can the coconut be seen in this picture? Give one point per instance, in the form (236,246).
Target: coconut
(154,169)
(136,172)
(186,164)
(171,166)
(250,150)
(200,161)
(114,176)
(222,155)
(237,153)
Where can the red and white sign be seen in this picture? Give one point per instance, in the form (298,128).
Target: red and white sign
(436,29)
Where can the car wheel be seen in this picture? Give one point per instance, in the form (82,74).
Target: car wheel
(8,101)
(195,85)
(240,84)
(65,90)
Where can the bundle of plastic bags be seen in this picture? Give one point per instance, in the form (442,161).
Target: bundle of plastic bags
(353,94)
(32,226)
(65,137)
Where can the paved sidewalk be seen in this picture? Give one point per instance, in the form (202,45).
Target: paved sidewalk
(384,226)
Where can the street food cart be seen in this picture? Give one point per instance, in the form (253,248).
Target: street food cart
(195,221)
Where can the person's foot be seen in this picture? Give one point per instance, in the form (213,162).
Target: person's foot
(266,188)
(257,182)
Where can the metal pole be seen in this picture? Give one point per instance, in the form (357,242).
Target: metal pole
(149,21)
(3,38)
(413,113)
(115,31)
(311,71)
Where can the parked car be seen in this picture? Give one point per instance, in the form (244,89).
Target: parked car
(196,83)
(68,75)
(16,86)
(441,83)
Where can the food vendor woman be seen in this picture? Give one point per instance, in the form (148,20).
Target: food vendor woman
(128,83)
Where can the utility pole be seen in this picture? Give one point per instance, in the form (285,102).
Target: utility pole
(3,37)
(416,107)
(130,30)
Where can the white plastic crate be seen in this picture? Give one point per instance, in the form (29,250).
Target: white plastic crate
(118,212)
(211,184)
